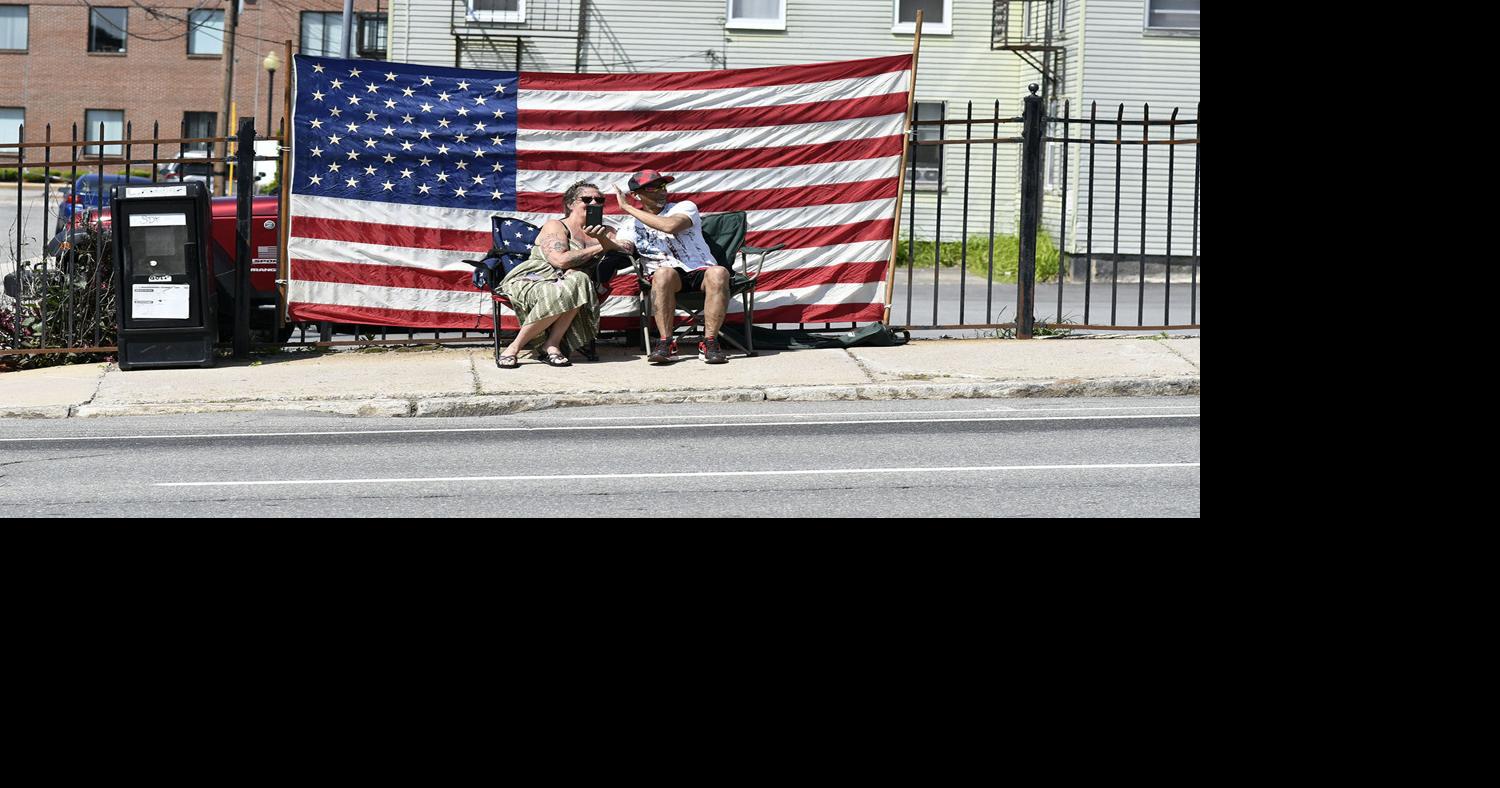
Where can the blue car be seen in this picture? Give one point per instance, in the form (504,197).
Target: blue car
(89,195)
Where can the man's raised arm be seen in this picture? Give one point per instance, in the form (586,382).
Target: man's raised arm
(668,224)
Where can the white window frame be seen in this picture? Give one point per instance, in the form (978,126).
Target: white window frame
(5,129)
(91,127)
(746,23)
(1163,29)
(519,15)
(25,23)
(946,28)
(208,26)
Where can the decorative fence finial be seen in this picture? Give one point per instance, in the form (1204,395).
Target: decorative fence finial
(1032,87)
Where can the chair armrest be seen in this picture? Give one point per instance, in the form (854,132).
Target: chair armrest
(746,251)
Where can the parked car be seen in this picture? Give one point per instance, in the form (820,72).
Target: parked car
(186,169)
(265,235)
(89,194)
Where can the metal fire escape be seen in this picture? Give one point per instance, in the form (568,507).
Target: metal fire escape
(1031,28)
(484,24)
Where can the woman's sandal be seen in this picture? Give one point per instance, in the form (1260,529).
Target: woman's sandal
(555,359)
(507,362)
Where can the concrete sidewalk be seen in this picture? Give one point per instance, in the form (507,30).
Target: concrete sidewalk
(465,381)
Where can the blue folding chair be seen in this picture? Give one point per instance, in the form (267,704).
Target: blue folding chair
(512,240)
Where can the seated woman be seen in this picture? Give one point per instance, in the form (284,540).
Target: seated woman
(552,290)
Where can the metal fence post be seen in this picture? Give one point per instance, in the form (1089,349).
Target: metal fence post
(1033,134)
(244,177)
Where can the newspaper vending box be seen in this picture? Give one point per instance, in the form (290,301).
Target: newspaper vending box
(166,302)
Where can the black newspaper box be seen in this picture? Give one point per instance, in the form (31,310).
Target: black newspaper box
(165,288)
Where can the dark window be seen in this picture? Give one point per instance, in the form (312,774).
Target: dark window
(107,28)
(928,158)
(372,32)
(199,124)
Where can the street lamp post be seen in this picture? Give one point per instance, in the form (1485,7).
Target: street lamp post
(271,63)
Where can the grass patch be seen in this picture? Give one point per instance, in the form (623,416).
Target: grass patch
(976,255)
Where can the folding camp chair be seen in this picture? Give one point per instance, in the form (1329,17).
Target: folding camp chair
(512,239)
(725,234)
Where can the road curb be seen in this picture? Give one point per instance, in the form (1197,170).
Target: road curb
(505,404)
(364,407)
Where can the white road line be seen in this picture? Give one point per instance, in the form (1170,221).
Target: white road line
(894,413)
(686,474)
(595,427)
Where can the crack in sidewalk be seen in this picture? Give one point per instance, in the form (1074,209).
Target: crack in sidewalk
(73,410)
(869,375)
(1179,355)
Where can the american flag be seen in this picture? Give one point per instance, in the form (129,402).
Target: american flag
(397,169)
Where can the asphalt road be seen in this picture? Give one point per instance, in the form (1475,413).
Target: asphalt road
(24,217)
(1127,457)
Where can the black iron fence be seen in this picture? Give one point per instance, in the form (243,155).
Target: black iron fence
(1069,202)
(1065,201)
(58,292)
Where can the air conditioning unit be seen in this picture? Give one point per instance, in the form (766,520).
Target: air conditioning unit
(928,176)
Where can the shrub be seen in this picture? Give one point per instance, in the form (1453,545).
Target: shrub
(71,303)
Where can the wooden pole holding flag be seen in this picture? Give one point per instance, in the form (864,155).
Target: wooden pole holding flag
(911,103)
(283,261)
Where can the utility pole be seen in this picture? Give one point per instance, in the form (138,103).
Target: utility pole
(223,130)
(348,28)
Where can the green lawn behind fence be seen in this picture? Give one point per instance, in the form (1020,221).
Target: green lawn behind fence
(1007,252)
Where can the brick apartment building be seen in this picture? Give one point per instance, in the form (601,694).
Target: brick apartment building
(63,62)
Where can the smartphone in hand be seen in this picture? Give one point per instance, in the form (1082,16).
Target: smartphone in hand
(593,215)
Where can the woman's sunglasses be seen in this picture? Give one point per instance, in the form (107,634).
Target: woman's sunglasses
(591,200)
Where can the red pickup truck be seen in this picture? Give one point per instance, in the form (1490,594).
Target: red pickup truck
(265,237)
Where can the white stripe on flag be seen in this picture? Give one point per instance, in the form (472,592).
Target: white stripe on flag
(637,142)
(725,180)
(723,98)
(388,213)
(464,302)
(819,215)
(380,254)
(818,256)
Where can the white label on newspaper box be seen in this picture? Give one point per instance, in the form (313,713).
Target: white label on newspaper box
(155,191)
(158,219)
(159,302)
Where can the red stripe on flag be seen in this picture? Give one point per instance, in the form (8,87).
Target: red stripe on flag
(374,316)
(713,80)
(745,199)
(842,274)
(702,119)
(381,275)
(808,237)
(390,234)
(733,159)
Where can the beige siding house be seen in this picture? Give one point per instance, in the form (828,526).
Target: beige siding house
(1110,55)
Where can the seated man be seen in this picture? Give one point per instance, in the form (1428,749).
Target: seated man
(668,237)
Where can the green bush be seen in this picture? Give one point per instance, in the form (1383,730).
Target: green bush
(38,175)
(8,175)
(71,303)
(1007,252)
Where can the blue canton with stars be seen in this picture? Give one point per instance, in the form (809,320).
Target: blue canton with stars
(400,133)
